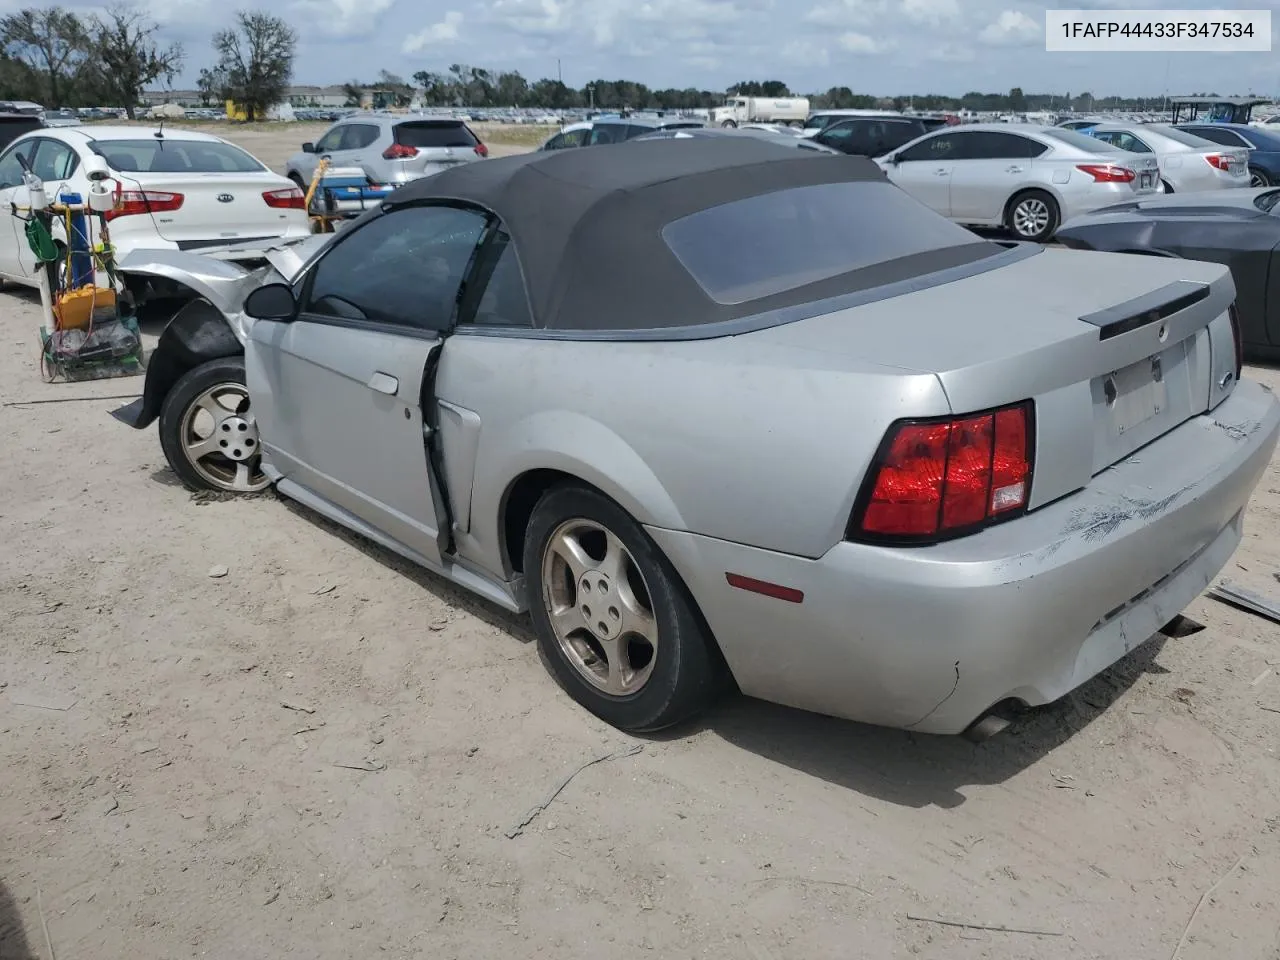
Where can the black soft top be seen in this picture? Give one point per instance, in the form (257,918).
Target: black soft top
(587,225)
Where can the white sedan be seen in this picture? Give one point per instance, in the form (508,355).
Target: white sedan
(176,190)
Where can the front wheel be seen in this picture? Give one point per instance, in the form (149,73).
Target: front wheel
(1258,178)
(1032,216)
(615,625)
(208,432)
(729,123)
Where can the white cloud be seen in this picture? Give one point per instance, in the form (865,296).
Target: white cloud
(342,18)
(931,11)
(855,42)
(1012,28)
(446,31)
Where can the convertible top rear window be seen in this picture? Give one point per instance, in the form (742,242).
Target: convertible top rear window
(753,248)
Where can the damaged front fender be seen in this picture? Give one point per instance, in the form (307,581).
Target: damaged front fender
(198,333)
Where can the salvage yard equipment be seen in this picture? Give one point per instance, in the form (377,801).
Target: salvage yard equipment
(341,193)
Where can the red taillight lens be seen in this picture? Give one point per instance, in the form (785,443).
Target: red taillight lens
(290,198)
(940,478)
(398,151)
(133,202)
(1218,162)
(1234,314)
(1107,172)
(482,150)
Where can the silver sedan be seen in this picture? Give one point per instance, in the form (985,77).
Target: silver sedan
(1023,177)
(1188,163)
(736,412)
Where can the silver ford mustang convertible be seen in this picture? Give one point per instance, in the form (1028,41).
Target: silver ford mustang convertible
(718,411)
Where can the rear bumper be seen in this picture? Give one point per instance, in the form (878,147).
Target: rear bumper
(146,239)
(931,638)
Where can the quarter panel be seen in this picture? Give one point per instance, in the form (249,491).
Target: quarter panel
(737,437)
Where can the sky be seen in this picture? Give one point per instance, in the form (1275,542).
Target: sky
(881,47)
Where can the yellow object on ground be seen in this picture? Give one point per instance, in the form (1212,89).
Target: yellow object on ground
(74,309)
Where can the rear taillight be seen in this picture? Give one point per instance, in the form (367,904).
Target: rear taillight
(1234,314)
(133,202)
(398,151)
(935,479)
(290,198)
(1218,162)
(1107,172)
(482,150)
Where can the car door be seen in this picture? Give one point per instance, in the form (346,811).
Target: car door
(923,169)
(330,145)
(338,391)
(360,147)
(13,238)
(56,164)
(993,166)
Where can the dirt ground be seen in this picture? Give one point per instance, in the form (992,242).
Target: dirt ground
(321,754)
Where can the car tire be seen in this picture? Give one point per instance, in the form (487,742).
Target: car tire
(1258,178)
(650,683)
(1032,215)
(222,454)
(729,123)
(297,180)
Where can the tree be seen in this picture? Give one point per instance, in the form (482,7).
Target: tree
(212,85)
(125,55)
(353,92)
(256,56)
(1017,102)
(401,92)
(52,42)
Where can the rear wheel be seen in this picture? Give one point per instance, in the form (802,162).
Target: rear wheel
(1032,215)
(615,625)
(729,123)
(1258,178)
(208,433)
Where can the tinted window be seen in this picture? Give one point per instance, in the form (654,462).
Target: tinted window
(330,140)
(357,136)
(764,245)
(634,131)
(1228,138)
(505,302)
(10,168)
(13,127)
(1122,139)
(1081,141)
(945,146)
(417,133)
(556,143)
(608,133)
(175,156)
(848,136)
(404,268)
(54,160)
(990,145)
(1182,137)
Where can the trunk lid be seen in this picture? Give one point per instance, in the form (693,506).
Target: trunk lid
(216,207)
(1111,363)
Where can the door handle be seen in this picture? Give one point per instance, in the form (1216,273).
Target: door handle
(941,173)
(384,383)
(1013,169)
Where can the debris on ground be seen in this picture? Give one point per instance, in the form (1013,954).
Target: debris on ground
(533,813)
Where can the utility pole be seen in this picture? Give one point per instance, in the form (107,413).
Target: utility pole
(559,73)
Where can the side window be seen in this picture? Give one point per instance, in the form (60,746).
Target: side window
(576,138)
(54,160)
(945,146)
(10,169)
(358,136)
(505,301)
(607,133)
(329,142)
(556,143)
(1228,138)
(839,135)
(990,145)
(404,268)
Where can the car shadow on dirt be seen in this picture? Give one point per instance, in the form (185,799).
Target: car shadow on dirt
(899,767)
(918,770)
(14,943)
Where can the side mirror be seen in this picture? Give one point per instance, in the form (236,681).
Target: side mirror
(308,147)
(271,302)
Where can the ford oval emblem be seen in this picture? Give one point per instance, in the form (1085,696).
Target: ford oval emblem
(225,198)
